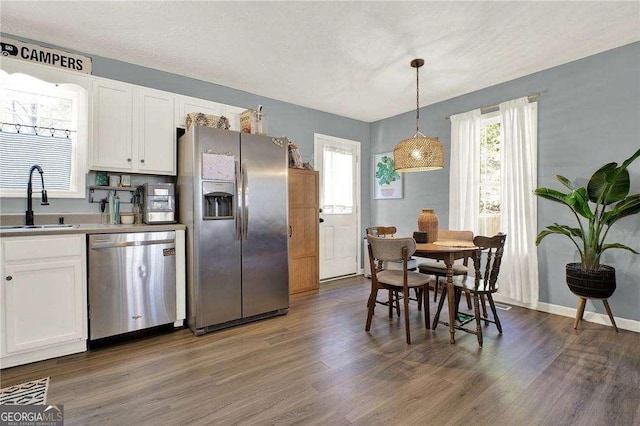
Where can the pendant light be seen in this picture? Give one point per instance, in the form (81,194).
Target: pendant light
(418,153)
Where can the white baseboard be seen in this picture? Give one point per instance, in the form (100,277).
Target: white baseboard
(594,317)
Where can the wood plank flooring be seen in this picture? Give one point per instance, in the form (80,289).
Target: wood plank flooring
(317,365)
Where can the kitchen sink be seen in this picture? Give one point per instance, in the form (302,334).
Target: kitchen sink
(36,227)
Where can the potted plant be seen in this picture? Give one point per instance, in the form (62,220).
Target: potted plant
(386,174)
(597,207)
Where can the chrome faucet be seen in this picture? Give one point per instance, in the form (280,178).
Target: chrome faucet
(45,199)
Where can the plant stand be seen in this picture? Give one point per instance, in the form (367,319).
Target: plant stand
(581,304)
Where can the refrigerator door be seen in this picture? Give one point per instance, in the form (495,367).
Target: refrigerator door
(265,273)
(218,247)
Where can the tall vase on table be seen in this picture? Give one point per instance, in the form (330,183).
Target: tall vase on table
(428,222)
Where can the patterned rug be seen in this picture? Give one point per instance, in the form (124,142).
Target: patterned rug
(30,393)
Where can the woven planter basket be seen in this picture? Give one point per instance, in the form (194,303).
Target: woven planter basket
(598,284)
(428,222)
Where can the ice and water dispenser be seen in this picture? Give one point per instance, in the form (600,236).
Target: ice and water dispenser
(218,200)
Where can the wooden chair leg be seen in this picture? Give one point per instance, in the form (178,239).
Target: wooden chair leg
(397,296)
(390,304)
(483,305)
(494,312)
(419,292)
(435,289)
(476,311)
(372,304)
(613,322)
(580,312)
(436,318)
(427,314)
(405,299)
(468,301)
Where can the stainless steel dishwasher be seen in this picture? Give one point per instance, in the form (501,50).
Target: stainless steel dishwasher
(132,282)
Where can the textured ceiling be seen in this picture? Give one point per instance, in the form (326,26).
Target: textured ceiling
(347,58)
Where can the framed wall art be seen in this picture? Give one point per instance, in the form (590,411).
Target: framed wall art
(387,183)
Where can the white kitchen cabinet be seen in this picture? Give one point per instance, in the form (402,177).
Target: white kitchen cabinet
(133,129)
(157,144)
(43,298)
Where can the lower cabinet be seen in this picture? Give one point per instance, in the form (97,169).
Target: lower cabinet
(43,298)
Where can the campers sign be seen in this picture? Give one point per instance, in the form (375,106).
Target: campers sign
(42,55)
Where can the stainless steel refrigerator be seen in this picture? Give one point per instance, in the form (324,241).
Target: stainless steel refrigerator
(232,195)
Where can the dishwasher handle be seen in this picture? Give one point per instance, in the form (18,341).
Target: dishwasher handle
(98,245)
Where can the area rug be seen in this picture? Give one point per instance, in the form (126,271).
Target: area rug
(30,393)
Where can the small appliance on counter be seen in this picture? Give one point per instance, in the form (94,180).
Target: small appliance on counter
(158,203)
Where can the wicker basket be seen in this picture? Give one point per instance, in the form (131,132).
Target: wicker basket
(207,120)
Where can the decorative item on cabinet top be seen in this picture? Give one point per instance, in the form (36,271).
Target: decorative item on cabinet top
(207,120)
(254,121)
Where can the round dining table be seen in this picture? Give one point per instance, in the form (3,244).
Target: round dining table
(448,252)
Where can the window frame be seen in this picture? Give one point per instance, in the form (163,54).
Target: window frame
(67,80)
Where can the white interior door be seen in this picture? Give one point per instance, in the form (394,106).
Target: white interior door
(338,162)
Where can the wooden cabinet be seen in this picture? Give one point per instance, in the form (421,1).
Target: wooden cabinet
(43,298)
(133,129)
(304,274)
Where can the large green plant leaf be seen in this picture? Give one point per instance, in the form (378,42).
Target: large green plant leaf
(559,229)
(627,207)
(566,182)
(618,246)
(612,181)
(577,199)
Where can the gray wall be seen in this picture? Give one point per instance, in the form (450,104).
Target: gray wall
(285,119)
(588,115)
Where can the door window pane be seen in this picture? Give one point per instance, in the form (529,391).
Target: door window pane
(338,173)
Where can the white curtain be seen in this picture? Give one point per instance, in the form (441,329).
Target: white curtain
(518,278)
(464,173)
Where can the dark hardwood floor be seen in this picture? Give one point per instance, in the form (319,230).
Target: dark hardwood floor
(317,365)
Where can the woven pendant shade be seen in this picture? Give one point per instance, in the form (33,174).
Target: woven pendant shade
(419,153)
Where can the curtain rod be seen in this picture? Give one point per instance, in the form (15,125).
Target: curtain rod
(51,130)
(485,109)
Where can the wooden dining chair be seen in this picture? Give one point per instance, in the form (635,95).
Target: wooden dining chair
(486,259)
(393,250)
(390,231)
(439,269)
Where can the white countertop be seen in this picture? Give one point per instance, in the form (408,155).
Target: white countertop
(91,229)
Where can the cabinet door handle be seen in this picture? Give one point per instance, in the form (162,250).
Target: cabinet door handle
(128,160)
(321,220)
(9,277)
(290,231)
(142,161)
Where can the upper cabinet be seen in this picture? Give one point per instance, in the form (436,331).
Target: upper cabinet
(133,129)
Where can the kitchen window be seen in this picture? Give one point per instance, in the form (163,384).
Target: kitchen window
(46,124)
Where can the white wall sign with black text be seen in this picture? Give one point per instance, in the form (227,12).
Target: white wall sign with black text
(42,55)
